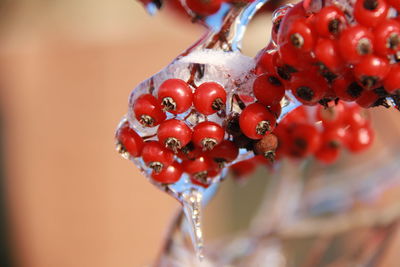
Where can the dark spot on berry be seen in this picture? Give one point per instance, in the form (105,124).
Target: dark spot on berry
(297,40)
(285,72)
(393,41)
(380,91)
(274,81)
(354,89)
(364,46)
(370,4)
(333,26)
(158,3)
(300,143)
(305,93)
(369,81)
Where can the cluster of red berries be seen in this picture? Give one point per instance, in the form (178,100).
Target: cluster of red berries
(199,150)
(335,53)
(318,131)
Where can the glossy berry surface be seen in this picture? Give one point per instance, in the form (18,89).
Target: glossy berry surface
(148,111)
(207,135)
(175,96)
(131,142)
(209,98)
(174,134)
(168,175)
(156,156)
(256,120)
(268,89)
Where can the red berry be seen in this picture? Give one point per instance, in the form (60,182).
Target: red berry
(299,114)
(331,116)
(268,89)
(276,109)
(156,156)
(265,62)
(175,96)
(290,57)
(308,91)
(300,36)
(199,168)
(394,3)
(292,14)
(174,134)
(371,70)
(387,37)
(359,139)
(368,99)
(347,88)
(327,53)
(209,98)
(370,12)
(355,42)
(392,80)
(304,140)
(226,151)
(130,141)
(190,151)
(329,21)
(204,7)
(207,135)
(168,175)
(148,111)
(331,140)
(243,168)
(356,116)
(255,121)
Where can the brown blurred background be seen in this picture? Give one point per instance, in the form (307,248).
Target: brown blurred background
(66,70)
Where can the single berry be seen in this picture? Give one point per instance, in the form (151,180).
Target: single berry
(355,42)
(327,52)
(175,96)
(371,70)
(370,12)
(243,168)
(392,80)
(174,134)
(330,21)
(308,91)
(207,135)
(224,152)
(300,36)
(368,98)
(148,111)
(267,146)
(356,117)
(199,168)
(268,89)
(168,175)
(209,98)
(331,116)
(256,120)
(387,37)
(204,7)
(304,140)
(359,139)
(156,156)
(347,88)
(129,141)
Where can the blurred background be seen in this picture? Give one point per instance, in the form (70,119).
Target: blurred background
(66,70)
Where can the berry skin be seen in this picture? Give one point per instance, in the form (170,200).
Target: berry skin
(224,152)
(371,70)
(327,53)
(394,3)
(304,140)
(175,96)
(329,21)
(331,140)
(174,134)
(347,88)
(387,37)
(308,91)
(370,12)
(168,175)
(209,98)
(130,141)
(156,156)
(392,80)
(356,117)
(331,116)
(368,99)
(267,146)
(268,89)
(199,168)
(355,42)
(265,62)
(243,168)
(204,7)
(255,121)
(207,135)
(359,139)
(300,36)
(148,111)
